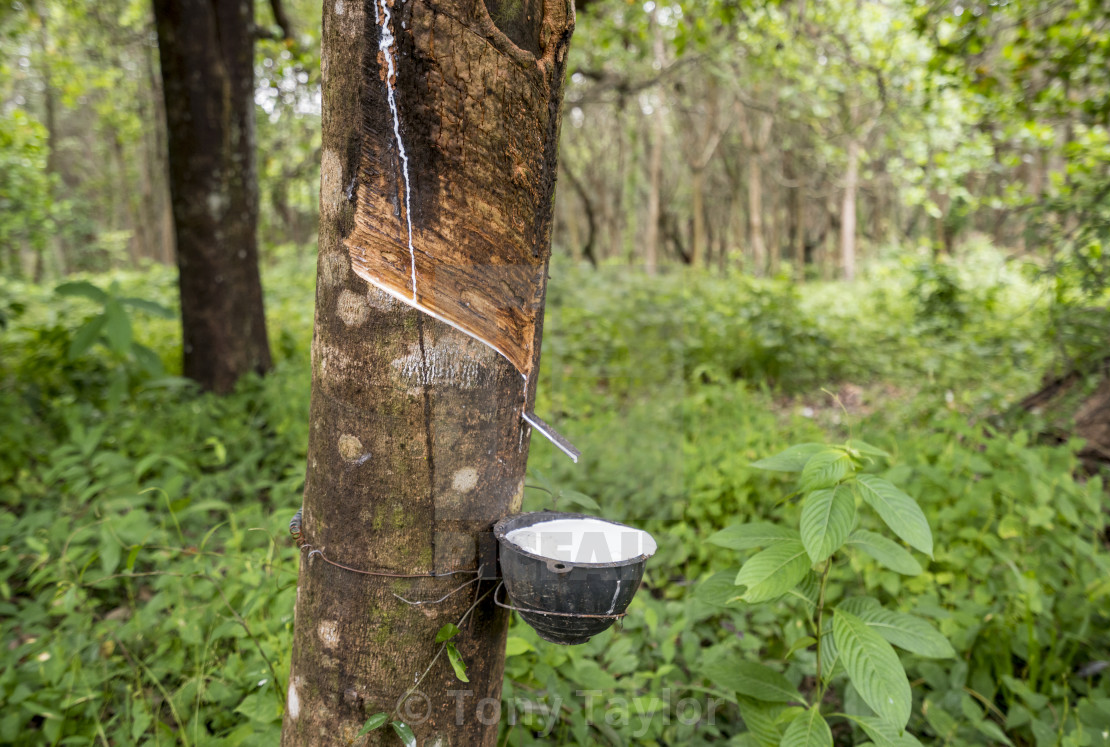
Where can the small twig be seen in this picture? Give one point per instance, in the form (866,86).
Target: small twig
(820,624)
(242,622)
(442,648)
(320,553)
(985,701)
(158,684)
(445,596)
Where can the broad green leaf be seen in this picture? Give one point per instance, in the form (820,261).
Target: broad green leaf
(141,718)
(147,358)
(867,449)
(515,646)
(993,731)
(718,590)
(772,572)
(374,722)
(1034,700)
(900,512)
(941,722)
(446,633)
(457,662)
(873,668)
(802,643)
(752,680)
(85,337)
(149,307)
(748,536)
(117,327)
(885,735)
(405,733)
(825,469)
(579,499)
(132,556)
(904,631)
(886,551)
(82,289)
(827,517)
(760,718)
(792,460)
(808,730)
(808,590)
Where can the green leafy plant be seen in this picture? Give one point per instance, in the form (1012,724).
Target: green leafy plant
(112,324)
(853,638)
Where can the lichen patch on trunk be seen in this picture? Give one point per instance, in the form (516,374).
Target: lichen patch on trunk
(352,308)
(329,633)
(293,701)
(465,479)
(350,447)
(331,183)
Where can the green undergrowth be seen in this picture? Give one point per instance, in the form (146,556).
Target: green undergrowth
(147,580)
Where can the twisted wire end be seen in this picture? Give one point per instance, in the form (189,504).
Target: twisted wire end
(295,527)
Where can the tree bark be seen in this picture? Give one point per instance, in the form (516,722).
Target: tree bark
(156,168)
(588,251)
(700,153)
(698,239)
(57,247)
(655,159)
(617,218)
(796,228)
(755,137)
(848,212)
(1077,404)
(206,50)
(417,443)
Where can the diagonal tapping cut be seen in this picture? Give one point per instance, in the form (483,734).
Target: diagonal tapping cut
(483,265)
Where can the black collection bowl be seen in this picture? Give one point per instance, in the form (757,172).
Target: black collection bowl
(565,601)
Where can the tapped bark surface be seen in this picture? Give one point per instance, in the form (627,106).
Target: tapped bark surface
(417,442)
(207,54)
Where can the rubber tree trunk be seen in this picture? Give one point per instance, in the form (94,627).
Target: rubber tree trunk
(207,54)
(416,442)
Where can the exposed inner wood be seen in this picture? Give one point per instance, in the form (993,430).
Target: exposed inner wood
(471,164)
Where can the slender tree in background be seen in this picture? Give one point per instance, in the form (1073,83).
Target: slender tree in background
(440,130)
(207,56)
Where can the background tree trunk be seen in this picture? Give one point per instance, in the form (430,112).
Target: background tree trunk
(755,136)
(207,54)
(655,160)
(796,227)
(417,442)
(848,212)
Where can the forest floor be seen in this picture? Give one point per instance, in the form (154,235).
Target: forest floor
(147,583)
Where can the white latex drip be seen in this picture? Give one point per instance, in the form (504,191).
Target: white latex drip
(382,16)
(613,604)
(583,541)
